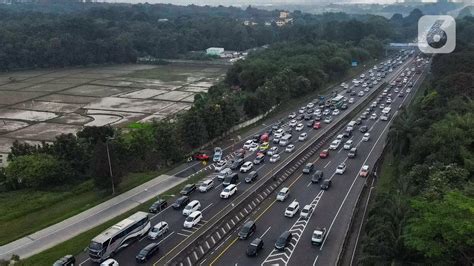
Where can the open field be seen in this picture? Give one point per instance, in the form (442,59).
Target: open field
(39,105)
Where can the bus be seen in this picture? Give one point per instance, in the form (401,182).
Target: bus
(386,110)
(119,236)
(338,100)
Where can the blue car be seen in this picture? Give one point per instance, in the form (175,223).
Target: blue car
(217,154)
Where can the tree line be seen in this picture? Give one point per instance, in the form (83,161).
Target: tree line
(425,214)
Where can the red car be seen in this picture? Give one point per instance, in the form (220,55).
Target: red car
(317,125)
(200,156)
(324,154)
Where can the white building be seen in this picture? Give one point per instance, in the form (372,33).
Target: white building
(215,51)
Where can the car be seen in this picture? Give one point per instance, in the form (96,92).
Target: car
(326,184)
(308,116)
(251,177)
(206,185)
(301,111)
(147,252)
(231,179)
(284,240)
(351,100)
(324,154)
(228,191)
(246,167)
(256,138)
(299,117)
(352,153)
(335,144)
(264,146)
(388,101)
(318,236)
(109,262)
(247,144)
(366,137)
(259,159)
(344,107)
(237,164)
(292,209)
(275,158)
(358,121)
(278,133)
(283,194)
(224,173)
(328,120)
(364,171)
(254,247)
(68,260)
(293,123)
(341,168)
(290,148)
(247,230)
(306,212)
(292,115)
(158,230)
(220,165)
(310,123)
(336,112)
(303,136)
(200,156)
(299,127)
(310,105)
(217,154)
(308,168)
(180,202)
(253,147)
(193,219)
(158,206)
(382,106)
(326,112)
(348,144)
(317,176)
(317,125)
(188,189)
(401,94)
(408,90)
(360,94)
(272,150)
(363,116)
(347,134)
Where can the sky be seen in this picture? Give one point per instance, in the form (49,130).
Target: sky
(254,2)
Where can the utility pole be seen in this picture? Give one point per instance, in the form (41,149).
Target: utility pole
(110,164)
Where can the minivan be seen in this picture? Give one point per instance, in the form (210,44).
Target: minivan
(231,179)
(247,230)
(283,240)
(191,207)
(283,194)
(193,219)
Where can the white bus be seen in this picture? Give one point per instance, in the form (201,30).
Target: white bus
(350,126)
(386,110)
(119,236)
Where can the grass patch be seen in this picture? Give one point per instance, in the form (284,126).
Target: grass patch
(27,211)
(170,73)
(78,243)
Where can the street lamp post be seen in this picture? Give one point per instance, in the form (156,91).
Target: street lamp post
(110,163)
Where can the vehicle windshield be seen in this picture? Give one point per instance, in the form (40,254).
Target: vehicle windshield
(95,246)
(143,252)
(188,207)
(281,193)
(154,229)
(291,209)
(226,190)
(189,219)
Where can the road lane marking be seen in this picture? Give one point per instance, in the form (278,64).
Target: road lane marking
(165,237)
(207,207)
(316,259)
(223,251)
(88,259)
(182,234)
(265,232)
(327,164)
(309,184)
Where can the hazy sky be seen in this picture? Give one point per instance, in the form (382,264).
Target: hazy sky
(254,2)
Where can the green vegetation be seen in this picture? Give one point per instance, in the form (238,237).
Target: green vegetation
(423,212)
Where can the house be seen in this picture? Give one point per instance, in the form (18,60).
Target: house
(215,51)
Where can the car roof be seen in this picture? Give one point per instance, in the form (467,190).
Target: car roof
(284,189)
(294,203)
(307,207)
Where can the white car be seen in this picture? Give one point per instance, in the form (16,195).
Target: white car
(408,90)
(335,144)
(336,112)
(366,89)
(158,230)
(306,211)
(279,133)
(220,165)
(360,94)
(290,148)
(293,123)
(351,100)
(348,145)
(382,106)
(206,185)
(388,101)
(247,144)
(254,147)
(299,127)
(275,158)
(292,115)
(341,168)
(109,262)
(373,116)
(326,111)
(193,219)
(328,120)
(228,191)
(366,137)
(292,209)
(193,206)
(340,136)
(303,136)
(301,111)
(272,151)
(310,105)
(246,167)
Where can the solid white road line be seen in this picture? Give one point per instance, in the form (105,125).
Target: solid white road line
(327,164)
(316,259)
(265,232)
(80,264)
(166,237)
(207,207)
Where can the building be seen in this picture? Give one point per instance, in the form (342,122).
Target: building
(215,51)
(284,14)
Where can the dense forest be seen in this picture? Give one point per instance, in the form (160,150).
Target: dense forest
(81,34)
(424,214)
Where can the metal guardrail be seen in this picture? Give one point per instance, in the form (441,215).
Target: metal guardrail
(214,232)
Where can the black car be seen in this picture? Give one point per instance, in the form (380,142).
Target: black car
(317,176)
(259,159)
(283,241)
(147,252)
(158,206)
(180,202)
(326,184)
(353,93)
(67,260)
(344,107)
(247,230)
(256,138)
(347,134)
(255,246)
(251,177)
(299,117)
(363,129)
(237,163)
(188,189)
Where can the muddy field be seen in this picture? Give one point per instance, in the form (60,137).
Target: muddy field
(39,105)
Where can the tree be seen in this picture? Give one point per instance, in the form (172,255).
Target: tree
(168,143)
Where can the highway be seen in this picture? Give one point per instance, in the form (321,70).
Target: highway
(332,207)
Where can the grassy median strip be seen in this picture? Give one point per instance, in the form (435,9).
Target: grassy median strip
(78,243)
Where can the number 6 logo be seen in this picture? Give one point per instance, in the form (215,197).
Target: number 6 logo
(436,34)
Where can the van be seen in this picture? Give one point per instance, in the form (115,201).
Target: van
(231,179)
(191,207)
(224,173)
(285,140)
(193,219)
(350,126)
(283,194)
(247,230)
